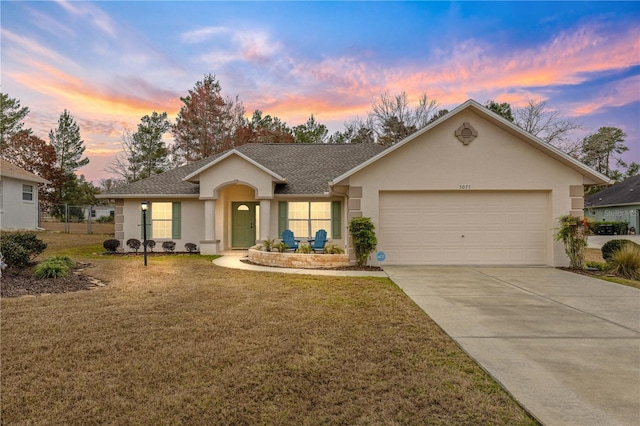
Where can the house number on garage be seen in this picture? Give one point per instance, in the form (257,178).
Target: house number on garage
(465,186)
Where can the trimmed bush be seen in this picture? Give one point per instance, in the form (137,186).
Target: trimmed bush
(51,268)
(626,261)
(13,254)
(106,219)
(169,246)
(191,248)
(133,244)
(150,244)
(27,239)
(364,238)
(610,247)
(111,245)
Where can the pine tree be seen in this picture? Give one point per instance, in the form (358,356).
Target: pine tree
(68,144)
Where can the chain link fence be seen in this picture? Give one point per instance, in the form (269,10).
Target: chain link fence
(78,219)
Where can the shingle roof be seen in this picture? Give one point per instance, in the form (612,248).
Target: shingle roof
(9,170)
(625,192)
(307,168)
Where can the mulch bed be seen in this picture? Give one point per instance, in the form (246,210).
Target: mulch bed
(21,282)
(341,268)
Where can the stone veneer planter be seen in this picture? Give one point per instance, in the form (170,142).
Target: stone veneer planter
(298,260)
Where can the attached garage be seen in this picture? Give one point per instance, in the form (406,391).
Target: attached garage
(465,227)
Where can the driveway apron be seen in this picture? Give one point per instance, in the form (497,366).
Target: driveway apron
(566,346)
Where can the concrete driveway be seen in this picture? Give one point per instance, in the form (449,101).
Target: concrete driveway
(566,346)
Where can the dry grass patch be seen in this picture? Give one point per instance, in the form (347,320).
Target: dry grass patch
(185,342)
(593,255)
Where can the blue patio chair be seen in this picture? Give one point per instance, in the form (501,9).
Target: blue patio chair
(289,240)
(317,244)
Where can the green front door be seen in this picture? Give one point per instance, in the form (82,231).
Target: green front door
(243,224)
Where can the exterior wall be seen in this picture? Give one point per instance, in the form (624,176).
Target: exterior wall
(629,214)
(192,214)
(240,193)
(235,170)
(15,212)
(494,160)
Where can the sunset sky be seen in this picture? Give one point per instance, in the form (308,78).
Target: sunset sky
(110,63)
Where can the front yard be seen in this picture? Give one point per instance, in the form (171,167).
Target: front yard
(185,342)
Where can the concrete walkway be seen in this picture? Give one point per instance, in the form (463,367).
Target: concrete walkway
(566,346)
(232,259)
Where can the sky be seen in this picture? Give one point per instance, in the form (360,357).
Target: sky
(110,63)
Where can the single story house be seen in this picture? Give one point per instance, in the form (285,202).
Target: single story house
(18,197)
(470,188)
(617,203)
(97,212)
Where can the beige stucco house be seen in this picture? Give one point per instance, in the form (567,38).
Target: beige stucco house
(470,188)
(18,197)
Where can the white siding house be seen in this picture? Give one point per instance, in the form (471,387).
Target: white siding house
(18,197)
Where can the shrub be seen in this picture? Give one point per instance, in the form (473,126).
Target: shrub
(619,228)
(333,249)
(364,238)
(573,234)
(280,246)
(626,261)
(106,219)
(150,244)
(610,247)
(64,259)
(26,239)
(13,254)
(304,248)
(51,268)
(600,266)
(191,248)
(169,246)
(133,244)
(268,244)
(111,245)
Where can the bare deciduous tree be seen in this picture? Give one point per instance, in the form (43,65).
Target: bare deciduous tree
(548,125)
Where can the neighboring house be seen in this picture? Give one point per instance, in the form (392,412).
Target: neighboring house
(470,188)
(97,212)
(618,203)
(18,197)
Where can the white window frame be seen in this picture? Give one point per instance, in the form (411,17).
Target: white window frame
(27,190)
(309,220)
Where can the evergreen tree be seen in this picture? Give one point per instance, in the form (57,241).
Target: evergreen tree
(12,117)
(68,144)
(311,132)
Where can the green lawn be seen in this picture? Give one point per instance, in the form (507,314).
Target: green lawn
(185,342)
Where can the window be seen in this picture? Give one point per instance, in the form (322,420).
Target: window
(305,218)
(163,220)
(93,213)
(27,192)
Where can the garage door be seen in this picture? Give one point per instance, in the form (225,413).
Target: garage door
(464,227)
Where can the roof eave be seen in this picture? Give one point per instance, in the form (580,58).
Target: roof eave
(163,196)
